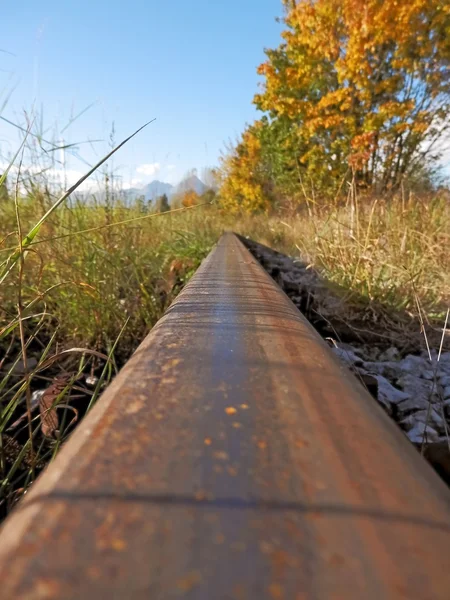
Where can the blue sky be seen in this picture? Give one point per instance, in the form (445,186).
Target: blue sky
(191,65)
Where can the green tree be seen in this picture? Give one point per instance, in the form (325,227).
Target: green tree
(162,204)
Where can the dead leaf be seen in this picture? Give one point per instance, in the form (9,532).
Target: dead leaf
(47,406)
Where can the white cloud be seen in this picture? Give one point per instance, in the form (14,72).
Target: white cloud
(61,177)
(135,182)
(149,168)
(57,178)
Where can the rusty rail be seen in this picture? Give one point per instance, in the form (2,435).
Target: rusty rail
(232,458)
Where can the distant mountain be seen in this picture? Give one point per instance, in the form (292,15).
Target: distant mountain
(190,183)
(130,193)
(155,189)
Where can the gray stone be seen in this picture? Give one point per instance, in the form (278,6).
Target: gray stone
(390,354)
(414,364)
(444,363)
(391,369)
(288,282)
(422,367)
(370,354)
(358,351)
(19,368)
(426,355)
(388,393)
(427,374)
(412,405)
(372,385)
(417,387)
(347,356)
(423,386)
(433,419)
(416,434)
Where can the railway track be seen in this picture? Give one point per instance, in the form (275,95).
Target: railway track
(232,458)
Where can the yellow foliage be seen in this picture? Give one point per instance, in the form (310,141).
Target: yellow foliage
(354,83)
(241,187)
(190,198)
(366,58)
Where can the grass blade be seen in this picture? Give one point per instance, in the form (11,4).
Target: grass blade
(11,261)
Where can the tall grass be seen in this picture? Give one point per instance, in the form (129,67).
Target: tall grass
(390,252)
(89,284)
(382,252)
(78,304)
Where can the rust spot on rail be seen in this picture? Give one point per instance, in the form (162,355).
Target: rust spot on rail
(232,458)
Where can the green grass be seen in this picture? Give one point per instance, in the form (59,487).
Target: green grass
(98,293)
(85,286)
(79,303)
(90,284)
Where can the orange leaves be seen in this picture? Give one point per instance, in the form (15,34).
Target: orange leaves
(362,80)
(190,198)
(362,146)
(363,141)
(265,69)
(346,67)
(335,98)
(420,127)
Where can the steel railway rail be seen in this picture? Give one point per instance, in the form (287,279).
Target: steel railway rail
(232,458)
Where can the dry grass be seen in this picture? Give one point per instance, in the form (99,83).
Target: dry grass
(382,252)
(88,285)
(102,291)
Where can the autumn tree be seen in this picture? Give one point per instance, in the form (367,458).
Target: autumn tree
(356,88)
(242,174)
(364,80)
(190,198)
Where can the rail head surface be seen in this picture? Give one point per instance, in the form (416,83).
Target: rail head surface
(232,458)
